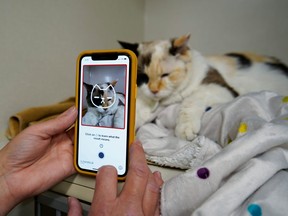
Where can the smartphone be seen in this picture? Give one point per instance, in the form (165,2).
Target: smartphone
(105,99)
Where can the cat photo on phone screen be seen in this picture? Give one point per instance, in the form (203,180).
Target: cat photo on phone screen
(104,104)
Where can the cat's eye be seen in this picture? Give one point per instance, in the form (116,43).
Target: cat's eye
(165,75)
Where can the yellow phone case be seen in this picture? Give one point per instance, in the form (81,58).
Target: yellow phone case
(132,99)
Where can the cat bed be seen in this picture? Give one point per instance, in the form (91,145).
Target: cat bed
(236,166)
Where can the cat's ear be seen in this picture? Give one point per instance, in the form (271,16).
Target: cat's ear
(179,45)
(130,46)
(88,87)
(114,82)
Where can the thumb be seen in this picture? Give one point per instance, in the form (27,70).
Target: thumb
(59,124)
(74,207)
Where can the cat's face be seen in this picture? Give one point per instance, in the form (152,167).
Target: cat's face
(162,65)
(102,96)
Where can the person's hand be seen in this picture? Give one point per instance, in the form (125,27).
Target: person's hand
(139,196)
(36,159)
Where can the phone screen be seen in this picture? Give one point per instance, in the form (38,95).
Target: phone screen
(103,120)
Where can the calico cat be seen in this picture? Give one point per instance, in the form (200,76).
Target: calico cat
(170,72)
(105,106)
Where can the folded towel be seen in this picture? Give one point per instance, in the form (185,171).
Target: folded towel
(25,118)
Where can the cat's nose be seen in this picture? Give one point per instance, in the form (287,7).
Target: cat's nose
(153,87)
(154,91)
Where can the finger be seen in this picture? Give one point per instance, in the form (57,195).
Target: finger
(138,174)
(59,124)
(105,189)
(158,178)
(74,206)
(151,196)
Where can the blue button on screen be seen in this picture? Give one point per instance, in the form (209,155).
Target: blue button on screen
(101,155)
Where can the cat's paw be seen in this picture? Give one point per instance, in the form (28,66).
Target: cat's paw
(188,130)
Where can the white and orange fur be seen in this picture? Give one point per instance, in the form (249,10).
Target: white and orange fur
(170,72)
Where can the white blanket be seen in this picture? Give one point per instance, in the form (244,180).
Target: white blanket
(236,166)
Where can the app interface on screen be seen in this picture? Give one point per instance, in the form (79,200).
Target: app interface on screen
(103,104)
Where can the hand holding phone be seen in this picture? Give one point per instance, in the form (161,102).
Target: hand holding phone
(105,98)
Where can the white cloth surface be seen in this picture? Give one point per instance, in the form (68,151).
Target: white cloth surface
(236,166)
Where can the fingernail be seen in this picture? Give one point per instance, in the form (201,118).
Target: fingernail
(71,109)
(107,167)
(158,175)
